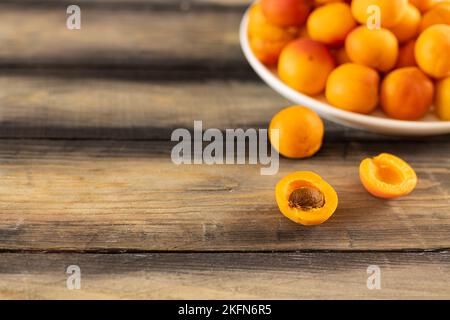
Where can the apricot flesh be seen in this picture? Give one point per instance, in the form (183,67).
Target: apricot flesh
(387,176)
(305,198)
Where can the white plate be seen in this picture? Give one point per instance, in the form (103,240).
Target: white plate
(375,122)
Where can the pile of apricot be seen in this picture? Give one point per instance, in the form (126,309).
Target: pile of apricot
(362,54)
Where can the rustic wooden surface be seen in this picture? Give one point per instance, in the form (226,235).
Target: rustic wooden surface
(86,175)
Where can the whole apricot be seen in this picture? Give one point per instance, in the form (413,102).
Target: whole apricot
(331,23)
(353,87)
(432,51)
(439,14)
(408,27)
(406,94)
(304,65)
(286,13)
(377,49)
(391,10)
(300,132)
(406,56)
(442,102)
(267,40)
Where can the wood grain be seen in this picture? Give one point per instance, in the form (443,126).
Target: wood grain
(135,37)
(79,107)
(226,276)
(84,105)
(116,196)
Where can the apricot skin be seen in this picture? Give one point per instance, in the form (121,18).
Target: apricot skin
(406,56)
(442,101)
(354,88)
(391,10)
(310,217)
(387,176)
(324,26)
(425,5)
(377,49)
(267,40)
(406,94)
(439,14)
(304,65)
(286,13)
(301,132)
(408,27)
(432,51)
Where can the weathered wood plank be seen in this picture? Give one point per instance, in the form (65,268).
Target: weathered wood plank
(226,276)
(92,106)
(107,195)
(78,107)
(109,38)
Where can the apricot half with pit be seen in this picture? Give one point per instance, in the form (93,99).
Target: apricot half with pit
(305,198)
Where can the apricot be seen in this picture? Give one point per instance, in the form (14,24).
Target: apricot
(406,94)
(300,132)
(286,13)
(331,23)
(391,10)
(406,56)
(267,52)
(341,56)
(425,5)
(260,27)
(305,198)
(267,40)
(442,102)
(387,176)
(432,51)
(377,49)
(408,27)
(439,14)
(304,65)
(353,87)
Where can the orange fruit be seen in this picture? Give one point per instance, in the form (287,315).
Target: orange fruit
(432,51)
(353,87)
(377,49)
(406,94)
(305,65)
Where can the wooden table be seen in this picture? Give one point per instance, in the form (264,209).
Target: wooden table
(86,176)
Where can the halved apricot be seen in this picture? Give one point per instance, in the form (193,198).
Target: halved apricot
(305,198)
(387,176)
